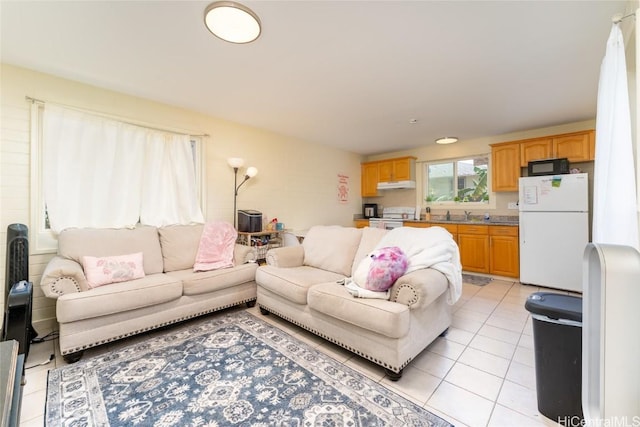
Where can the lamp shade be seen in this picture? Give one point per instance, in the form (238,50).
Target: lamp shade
(232,22)
(235,162)
(251,172)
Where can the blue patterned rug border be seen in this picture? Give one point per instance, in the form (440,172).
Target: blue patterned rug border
(77,387)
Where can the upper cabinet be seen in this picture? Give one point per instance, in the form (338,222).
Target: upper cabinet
(508,157)
(369,179)
(400,169)
(577,147)
(505,161)
(535,149)
(390,170)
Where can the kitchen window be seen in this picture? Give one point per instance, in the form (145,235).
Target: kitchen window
(463,180)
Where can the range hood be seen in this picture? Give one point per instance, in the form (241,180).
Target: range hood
(396,184)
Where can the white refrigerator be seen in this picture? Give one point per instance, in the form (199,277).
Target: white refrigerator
(554,230)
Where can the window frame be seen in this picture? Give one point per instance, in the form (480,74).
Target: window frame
(452,203)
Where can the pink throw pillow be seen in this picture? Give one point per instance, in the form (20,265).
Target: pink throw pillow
(216,247)
(113,269)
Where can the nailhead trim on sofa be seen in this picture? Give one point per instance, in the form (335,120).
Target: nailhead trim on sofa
(343,345)
(138,331)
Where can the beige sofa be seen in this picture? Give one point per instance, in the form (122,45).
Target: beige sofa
(169,292)
(302,285)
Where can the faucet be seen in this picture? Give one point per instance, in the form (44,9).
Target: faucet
(466,215)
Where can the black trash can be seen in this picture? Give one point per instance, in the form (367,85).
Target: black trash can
(557,338)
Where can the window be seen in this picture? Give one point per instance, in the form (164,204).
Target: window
(168,158)
(462,180)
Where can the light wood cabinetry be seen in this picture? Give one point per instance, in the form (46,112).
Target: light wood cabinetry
(508,157)
(505,166)
(577,147)
(390,170)
(493,249)
(473,241)
(504,247)
(400,169)
(361,223)
(369,179)
(535,149)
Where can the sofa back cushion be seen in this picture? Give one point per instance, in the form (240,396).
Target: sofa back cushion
(331,247)
(74,243)
(180,245)
(370,238)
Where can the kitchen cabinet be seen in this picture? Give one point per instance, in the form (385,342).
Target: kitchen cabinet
(493,249)
(577,147)
(473,241)
(504,251)
(361,223)
(535,149)
(399,169)
(505,166)
(369,179)
(451,228)
(508,157)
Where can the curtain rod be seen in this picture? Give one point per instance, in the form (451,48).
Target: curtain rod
(616,19)
(140,124)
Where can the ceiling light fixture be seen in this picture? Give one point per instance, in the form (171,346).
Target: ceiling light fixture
(232,22)
(447,140)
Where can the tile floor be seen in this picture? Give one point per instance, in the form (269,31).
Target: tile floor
(481,374)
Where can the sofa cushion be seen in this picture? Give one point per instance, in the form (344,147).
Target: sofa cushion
(209,281)
(293,283)
(179,245)
(118,297)
(380,316)
(74,243)
(331,248)
(370,238)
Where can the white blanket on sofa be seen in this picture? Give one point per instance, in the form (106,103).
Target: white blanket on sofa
(431,247)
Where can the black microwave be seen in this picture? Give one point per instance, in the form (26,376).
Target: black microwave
(548,167)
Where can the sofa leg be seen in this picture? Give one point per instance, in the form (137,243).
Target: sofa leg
(251,303)
(264,311)
(393,376)
(444,333)
(73,357)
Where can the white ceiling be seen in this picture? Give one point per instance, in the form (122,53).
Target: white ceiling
(345,73)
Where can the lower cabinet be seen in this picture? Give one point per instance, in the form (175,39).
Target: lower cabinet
(505,251)
(361,223)
(473,241)
(492,249)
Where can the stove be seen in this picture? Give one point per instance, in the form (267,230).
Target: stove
(393,217)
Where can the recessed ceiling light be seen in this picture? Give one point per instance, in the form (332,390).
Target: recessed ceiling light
(232,22)
(447,140)
(413,121)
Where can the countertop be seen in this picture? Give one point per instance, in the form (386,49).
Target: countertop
(455,219)
(497,221)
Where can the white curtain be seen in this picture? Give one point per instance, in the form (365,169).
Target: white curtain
(615,218)
(169,183)
(103,173)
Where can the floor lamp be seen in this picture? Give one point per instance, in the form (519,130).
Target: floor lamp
(236,163)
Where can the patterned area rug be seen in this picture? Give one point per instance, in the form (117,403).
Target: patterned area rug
(475,280)
(227,370)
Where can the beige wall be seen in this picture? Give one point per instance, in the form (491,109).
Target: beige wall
(297,181)
(463,148)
